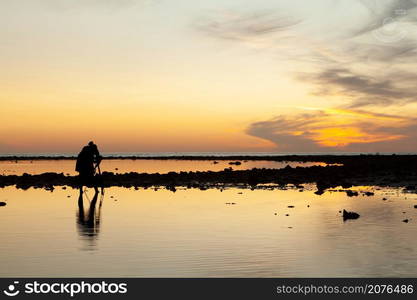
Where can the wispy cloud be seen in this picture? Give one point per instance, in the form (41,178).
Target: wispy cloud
(372,65)
(245,26)
(382,12)
(363,89)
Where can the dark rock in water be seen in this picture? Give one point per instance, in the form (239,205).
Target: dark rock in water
(308,205)
(64,187)
(350,193)
(171,188)
(275,213)
(215,162)
(415,206)
(319,192)
(230,203)
(2,203)
(369,194)
(49,188)
(405,220)
(290,206)
(350,215)
(236,163)
(384,199)
(286,215)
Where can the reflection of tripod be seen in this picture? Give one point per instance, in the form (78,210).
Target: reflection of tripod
(88,220)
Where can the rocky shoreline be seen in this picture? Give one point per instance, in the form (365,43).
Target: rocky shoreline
(280,158)
(378,170)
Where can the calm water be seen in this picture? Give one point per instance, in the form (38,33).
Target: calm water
(193,233)
(141,166)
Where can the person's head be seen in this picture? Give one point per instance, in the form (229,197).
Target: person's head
(91,143)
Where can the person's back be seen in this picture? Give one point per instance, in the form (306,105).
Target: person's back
(86,159)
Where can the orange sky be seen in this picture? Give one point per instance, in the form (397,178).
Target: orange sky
(140,76)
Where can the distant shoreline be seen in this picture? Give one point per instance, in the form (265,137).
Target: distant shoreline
(332,158)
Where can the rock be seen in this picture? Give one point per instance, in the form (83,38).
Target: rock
(275,213)
(171,188)
(49,188)
(215,162)
(350,193)
(415,206)
(2,203)
(236,163)
(350,215)
(369,194)
(286,215)
(290,206)
(405,220)
(384,199)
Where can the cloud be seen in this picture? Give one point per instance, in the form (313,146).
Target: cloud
(243,26)
(362,89)
(337,130)
(373,65)
(383,12)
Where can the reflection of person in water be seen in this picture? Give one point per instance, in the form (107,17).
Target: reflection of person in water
(89,221)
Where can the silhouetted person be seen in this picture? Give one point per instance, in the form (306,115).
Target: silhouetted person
(87,161)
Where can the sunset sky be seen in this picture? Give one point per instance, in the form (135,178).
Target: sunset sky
(213,75)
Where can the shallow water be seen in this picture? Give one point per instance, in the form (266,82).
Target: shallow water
(194,233)
(141,166)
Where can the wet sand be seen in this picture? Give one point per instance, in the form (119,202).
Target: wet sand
(380,170)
